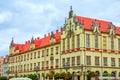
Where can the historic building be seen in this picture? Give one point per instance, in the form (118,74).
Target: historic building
(1,65)
(86,44)
(5,66)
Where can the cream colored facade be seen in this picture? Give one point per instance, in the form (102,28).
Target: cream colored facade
(107,58)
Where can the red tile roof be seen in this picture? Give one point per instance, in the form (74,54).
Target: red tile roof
(41,42)
(45,41)
(104,25)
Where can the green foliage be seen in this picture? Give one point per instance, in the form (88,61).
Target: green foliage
(24,75)
(62,75)
(21,75)
(11,77)
(47,75)
(89,74)
(57,76)
(92,74)
(32,76)
(69,75)
(3,78)
(106,74)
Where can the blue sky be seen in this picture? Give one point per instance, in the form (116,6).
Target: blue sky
(22,19)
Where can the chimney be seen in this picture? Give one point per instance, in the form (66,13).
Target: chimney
(57,31)
(44,35)
(48,34)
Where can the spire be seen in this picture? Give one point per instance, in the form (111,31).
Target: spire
(71,13)
(12,42)
(65,20)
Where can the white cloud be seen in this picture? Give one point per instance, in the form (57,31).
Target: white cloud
(5,16)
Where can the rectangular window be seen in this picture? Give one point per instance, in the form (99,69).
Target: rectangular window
(34,65)
(78,41)
(38,54)
(30,66)
(38,64)
(105,61)
(119,61)
(68,60)
(112,43)
(112,61)
(27,56)
(57,62)
(51,62)
(73,61)
(87,40)
(52,51)
(57,49)
(24,57)
(96,60)
(43,53)
(73,45)
(96,41)
(47,52)
(104,42)
(16,59)
(27,66)
(78,60)
(31,55)
(63,61)
(34,55)
(63,44)
(119,44)
(47,64)
(43,64)
(88,59)
(68,43)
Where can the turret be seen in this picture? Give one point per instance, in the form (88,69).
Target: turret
(11,48)
(71,13)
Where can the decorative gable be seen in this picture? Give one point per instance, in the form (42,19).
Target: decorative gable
(111,29)
(32,45)
(52,38)
(95,27)
(72,25)
(17,49)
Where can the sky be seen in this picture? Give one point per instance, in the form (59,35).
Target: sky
(22,19)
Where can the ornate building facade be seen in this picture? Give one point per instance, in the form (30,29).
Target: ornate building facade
(1,65)
(87,44)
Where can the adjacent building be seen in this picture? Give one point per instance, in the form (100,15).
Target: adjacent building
(5,67)
(1,65)
(86,44)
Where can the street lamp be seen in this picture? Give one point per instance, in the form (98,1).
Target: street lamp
(66,66)
(83,72)
(37,69)
(8,72)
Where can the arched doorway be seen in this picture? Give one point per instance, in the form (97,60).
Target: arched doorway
(78,75)
(113,73)
(88,75)
(97,74)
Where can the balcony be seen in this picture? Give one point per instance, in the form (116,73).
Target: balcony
(51,67)
(56,66)
(46,67)
(56,53)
